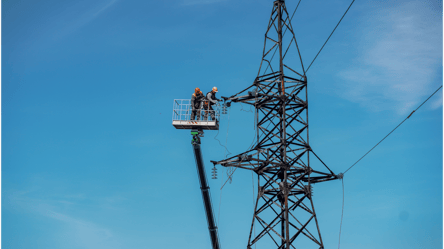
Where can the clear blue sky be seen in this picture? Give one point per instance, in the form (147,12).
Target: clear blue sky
(90,158)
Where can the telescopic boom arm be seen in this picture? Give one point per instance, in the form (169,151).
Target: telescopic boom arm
(204,188)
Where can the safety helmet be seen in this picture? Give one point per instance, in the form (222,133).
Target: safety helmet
(215,89)
(197,90)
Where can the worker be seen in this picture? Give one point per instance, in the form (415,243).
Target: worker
(210,101)
(196,103)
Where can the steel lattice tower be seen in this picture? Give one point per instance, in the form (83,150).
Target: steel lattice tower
(284,209)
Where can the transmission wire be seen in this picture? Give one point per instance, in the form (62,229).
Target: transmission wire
(226,149)
(250,147)
(330,36)
(342,214)
(394,129)
(225,155)
(342,179)
(220,198)
(229,178)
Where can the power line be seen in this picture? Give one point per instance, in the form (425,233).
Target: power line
(294,12)
(342,214)
(342,179)
(229,176)
(394,129)
(330,36)
(225,155)
(225,146)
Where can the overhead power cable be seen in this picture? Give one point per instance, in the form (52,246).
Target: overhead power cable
(394,129)
(329,36)
(229,177)
(294,12)
(225,156)
(225,146)
(342,213)
(342,179)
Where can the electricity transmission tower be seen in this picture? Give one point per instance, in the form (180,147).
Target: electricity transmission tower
(284,210)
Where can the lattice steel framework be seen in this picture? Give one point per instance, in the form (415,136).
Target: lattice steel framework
(284,210)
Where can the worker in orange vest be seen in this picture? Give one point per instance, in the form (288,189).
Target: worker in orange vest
(196,103)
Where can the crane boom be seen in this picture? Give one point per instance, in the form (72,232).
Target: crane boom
(205,188)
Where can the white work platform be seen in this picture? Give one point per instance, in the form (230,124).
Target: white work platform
(197,124)
(204,118)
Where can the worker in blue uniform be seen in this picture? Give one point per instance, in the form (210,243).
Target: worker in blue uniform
(196,103)
(211,100)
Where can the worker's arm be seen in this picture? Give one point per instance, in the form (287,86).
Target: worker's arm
(210,99)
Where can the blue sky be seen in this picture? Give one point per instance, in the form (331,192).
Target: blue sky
(90,158)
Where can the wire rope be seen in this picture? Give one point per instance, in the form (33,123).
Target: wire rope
(230,173)
(394,129)
(225,155)
(342,214)
(220,197)
(342,179)
(242,108)
(215,138)
(254,204)
(329,36)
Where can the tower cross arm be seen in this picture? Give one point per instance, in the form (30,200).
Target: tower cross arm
(259,89)
(251,98)
(318,176)
(249,160)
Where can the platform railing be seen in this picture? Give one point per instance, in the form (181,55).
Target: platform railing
(182,111)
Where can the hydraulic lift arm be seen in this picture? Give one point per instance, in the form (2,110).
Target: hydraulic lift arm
(204,188)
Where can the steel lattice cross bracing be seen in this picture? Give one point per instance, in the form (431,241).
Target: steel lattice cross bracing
(284,214)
